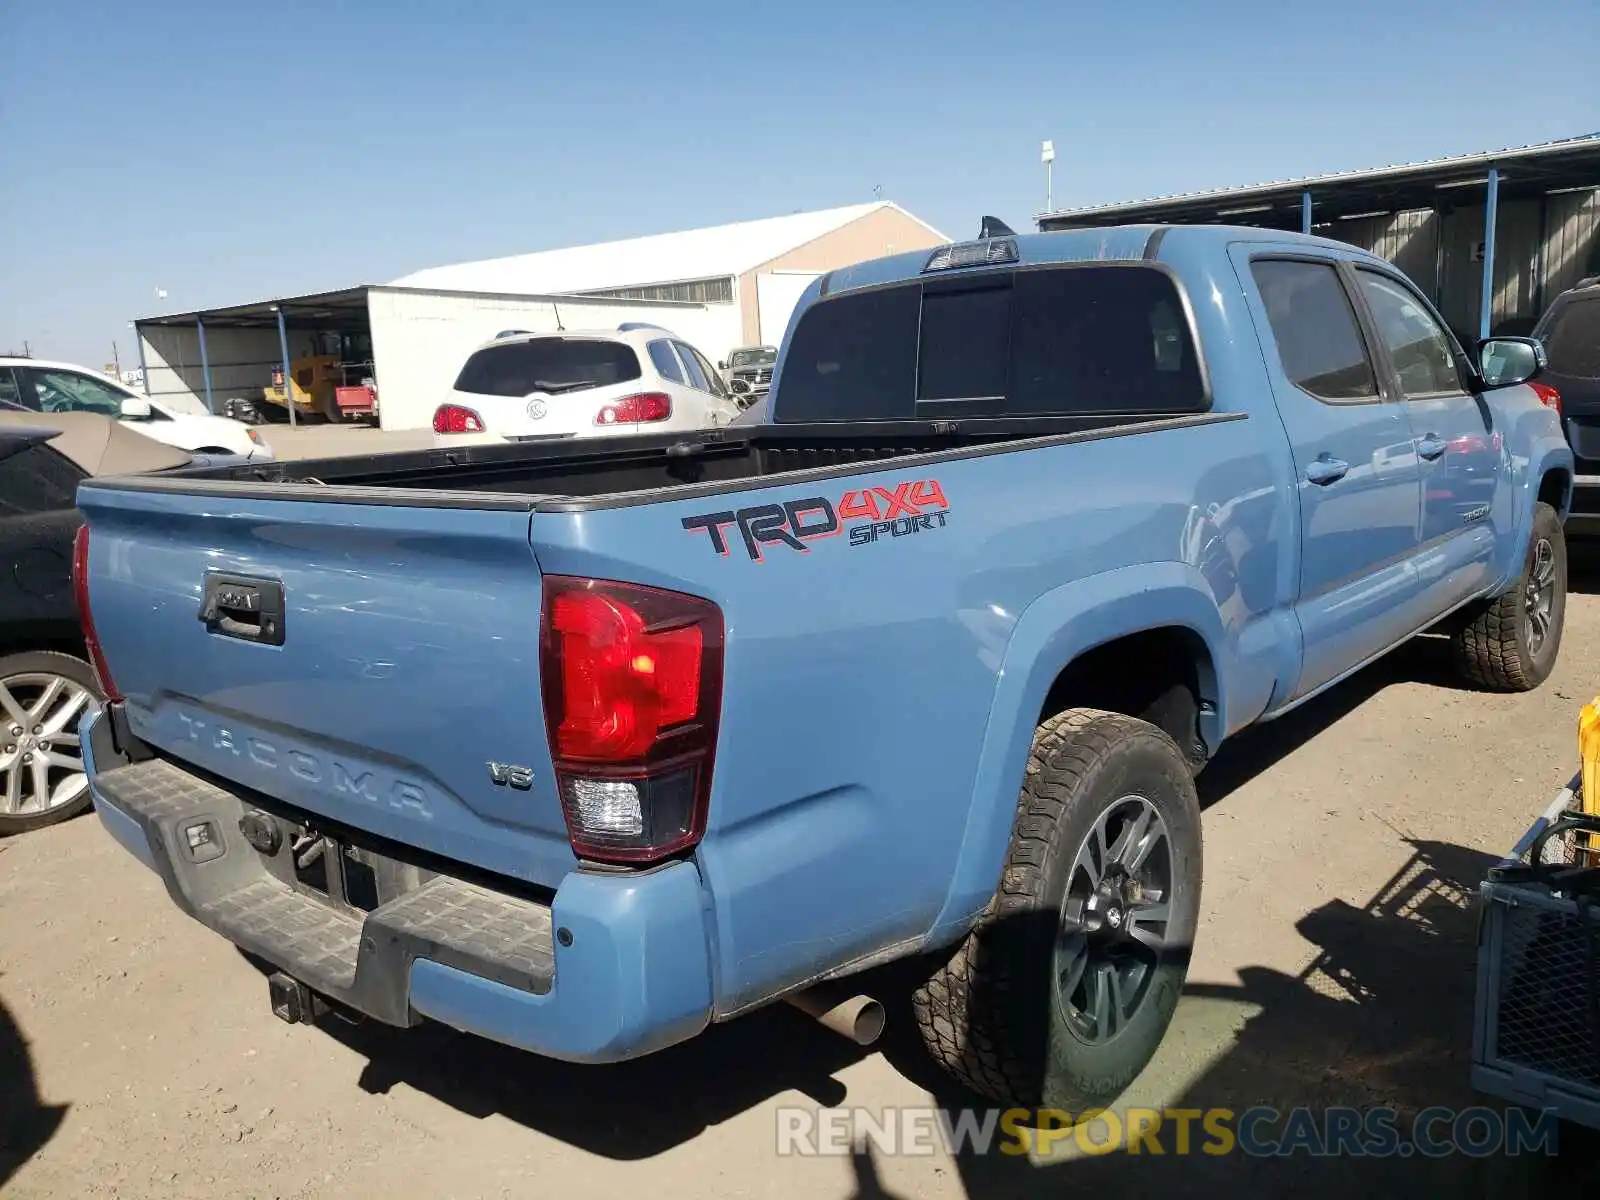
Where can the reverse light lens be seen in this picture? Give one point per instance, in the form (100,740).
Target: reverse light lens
(607,807)
(631,410)
(80,595)
(455,418)
(632,680)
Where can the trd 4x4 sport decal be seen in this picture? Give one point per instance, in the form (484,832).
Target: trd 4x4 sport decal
(915,507)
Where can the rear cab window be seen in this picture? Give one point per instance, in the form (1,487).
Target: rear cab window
(549,364)
(1059,340)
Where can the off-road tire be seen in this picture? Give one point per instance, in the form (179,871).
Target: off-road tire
(988,1013)
(1492,642)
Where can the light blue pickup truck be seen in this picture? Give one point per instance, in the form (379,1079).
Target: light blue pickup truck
(582,747)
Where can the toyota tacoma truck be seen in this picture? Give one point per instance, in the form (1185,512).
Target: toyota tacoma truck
(583,748)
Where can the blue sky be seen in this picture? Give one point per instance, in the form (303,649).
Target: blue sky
(227,152)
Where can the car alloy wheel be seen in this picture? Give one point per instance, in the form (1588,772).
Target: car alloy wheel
(41,762)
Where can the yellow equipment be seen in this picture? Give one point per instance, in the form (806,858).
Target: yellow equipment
(316,379)
(1589,754)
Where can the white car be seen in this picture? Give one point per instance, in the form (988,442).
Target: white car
(32,385)
(585,383)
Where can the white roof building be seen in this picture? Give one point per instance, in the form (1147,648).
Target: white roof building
(762,266)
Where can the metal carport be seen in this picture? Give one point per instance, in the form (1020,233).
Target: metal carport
(1493,236)
(242,342)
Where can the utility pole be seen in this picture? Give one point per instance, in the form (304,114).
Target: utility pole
(1047,155)
(116,359)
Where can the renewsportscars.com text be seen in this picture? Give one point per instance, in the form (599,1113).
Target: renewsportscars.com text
(1259,1132)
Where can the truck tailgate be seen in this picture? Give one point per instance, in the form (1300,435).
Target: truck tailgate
(408,663)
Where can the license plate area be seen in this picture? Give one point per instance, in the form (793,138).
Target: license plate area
(342,873)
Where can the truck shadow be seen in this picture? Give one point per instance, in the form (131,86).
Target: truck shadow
(629,1110)
(1382,1017)
(26,1122)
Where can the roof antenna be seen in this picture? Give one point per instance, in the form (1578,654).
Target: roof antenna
(556,308)
(993,227)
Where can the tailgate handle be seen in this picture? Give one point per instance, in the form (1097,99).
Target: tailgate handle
(239,606)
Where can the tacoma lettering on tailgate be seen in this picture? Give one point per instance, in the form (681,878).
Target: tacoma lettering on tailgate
(915,507)
(361,782)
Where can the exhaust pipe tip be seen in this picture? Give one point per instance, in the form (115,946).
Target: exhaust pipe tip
(859,1018)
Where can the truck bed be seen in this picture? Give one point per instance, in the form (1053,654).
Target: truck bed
(562,475)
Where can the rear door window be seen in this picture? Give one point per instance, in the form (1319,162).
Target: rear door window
(697,374)
(1062,341)
(1573,342)
(1314,328)
(548,365)
(714,383)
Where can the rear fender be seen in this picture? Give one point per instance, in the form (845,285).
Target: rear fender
(1055,629)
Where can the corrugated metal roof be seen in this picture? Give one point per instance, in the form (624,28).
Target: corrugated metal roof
(1464,162)
(661,258)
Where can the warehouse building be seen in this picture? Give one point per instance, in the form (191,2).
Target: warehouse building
(717,288)
(1491,237)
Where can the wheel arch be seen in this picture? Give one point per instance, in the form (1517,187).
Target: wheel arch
(1160,617)
(61,637)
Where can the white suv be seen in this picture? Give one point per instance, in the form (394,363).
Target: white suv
(583,383)
(32,385)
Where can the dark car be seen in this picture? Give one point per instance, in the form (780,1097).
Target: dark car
(46,682)
(1570,331)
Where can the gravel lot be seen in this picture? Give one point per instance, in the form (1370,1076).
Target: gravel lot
(1334,966)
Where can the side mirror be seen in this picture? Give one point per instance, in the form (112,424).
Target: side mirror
(721,365)
(136,409)
(1504,361)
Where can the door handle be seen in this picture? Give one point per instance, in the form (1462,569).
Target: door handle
(1431,447)
(1324,470)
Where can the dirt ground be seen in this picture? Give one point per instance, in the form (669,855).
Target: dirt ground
(1334,966)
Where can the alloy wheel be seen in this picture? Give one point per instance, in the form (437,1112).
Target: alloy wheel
(1540,593)
(1114,917)
(41,762)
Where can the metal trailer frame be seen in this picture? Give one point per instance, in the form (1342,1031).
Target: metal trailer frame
(1524,931)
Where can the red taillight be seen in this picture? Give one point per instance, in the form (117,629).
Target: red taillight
(632,686)
(454,418)
(1548,396)
(646,406)
(80,594)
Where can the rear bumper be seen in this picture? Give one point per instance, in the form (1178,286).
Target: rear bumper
(611,968)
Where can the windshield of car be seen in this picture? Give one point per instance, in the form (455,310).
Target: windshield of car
(763,357)
(547,364)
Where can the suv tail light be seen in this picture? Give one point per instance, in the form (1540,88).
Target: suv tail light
(645,406)
(632,680)
(80,594)
(1548,396)
(454,418)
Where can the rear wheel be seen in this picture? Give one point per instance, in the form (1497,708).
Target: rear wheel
(1062,994)
(43,695)
(1510,644)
